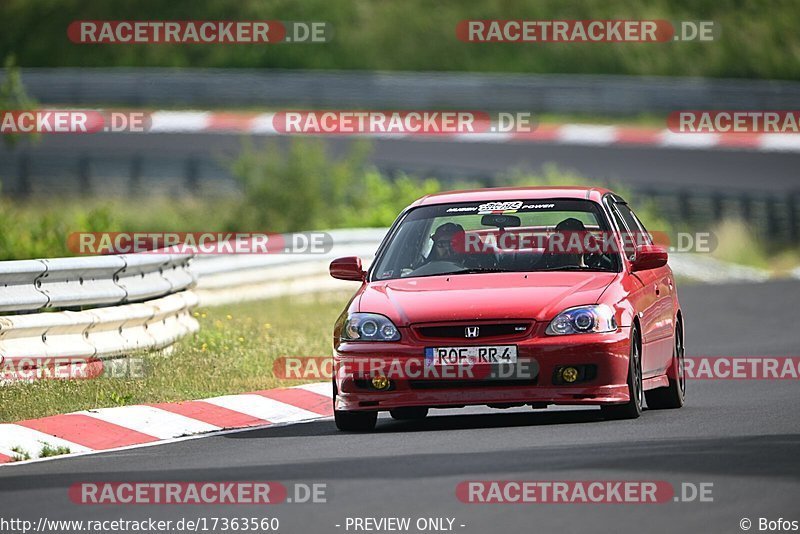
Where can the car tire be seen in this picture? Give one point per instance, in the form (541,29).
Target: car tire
(350,421)
(674,395)
(409,413)
(633,408)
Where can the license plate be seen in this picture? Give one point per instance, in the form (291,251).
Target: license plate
(471,355)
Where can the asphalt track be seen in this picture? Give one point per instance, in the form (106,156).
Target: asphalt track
(640,166)
(742,436)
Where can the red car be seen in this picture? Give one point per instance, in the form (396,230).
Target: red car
(506,297)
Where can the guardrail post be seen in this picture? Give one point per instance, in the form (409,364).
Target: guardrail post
(84,175)
(773,228)
(791,203)
(24,175)
(717,206)
(746,207)
(192,181)
(135,182)
(685,207)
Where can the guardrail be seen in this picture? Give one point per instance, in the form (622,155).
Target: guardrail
(94,307)
(540,93)
(101,307)
(224,279)
(31,285)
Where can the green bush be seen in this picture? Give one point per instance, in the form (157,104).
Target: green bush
(301,188)
(36,229)
(14,97)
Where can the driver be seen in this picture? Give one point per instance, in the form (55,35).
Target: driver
(561,258)
(445,243)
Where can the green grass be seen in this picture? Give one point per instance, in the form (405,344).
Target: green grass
(52,450)
(20,454)
(739,244)
(233,353)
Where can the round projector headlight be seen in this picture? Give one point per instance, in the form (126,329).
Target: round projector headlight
(561,324)
(582,320)
(369,327)
(388,331)
(350,331)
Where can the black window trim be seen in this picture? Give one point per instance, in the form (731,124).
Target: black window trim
(610,201)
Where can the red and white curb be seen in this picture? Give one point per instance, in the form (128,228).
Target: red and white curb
(566,134)
(125,427)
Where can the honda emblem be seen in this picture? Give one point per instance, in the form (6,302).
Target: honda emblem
(471,331)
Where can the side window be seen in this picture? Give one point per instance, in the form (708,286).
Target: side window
(635,225)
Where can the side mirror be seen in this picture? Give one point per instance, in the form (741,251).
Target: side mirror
(649,257)
(348,268)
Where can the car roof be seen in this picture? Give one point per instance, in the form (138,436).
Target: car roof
(513,193)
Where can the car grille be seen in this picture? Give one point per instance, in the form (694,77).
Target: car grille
(485,331)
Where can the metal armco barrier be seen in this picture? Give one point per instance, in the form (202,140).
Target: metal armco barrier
(30,285)
(541,93)
(111,305)
(98,332)
(224,279)
(19,285)
(150,275)
(116,305)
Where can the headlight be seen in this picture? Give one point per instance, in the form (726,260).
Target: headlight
(582,320)
(369,327)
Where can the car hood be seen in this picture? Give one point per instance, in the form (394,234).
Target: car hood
(486,296)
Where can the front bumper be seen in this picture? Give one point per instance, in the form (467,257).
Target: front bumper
(607,354)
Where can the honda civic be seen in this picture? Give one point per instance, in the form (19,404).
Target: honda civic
(509,297)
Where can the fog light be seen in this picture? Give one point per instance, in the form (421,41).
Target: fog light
(380,382)
(569,374)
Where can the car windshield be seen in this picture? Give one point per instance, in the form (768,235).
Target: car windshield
(490,237)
